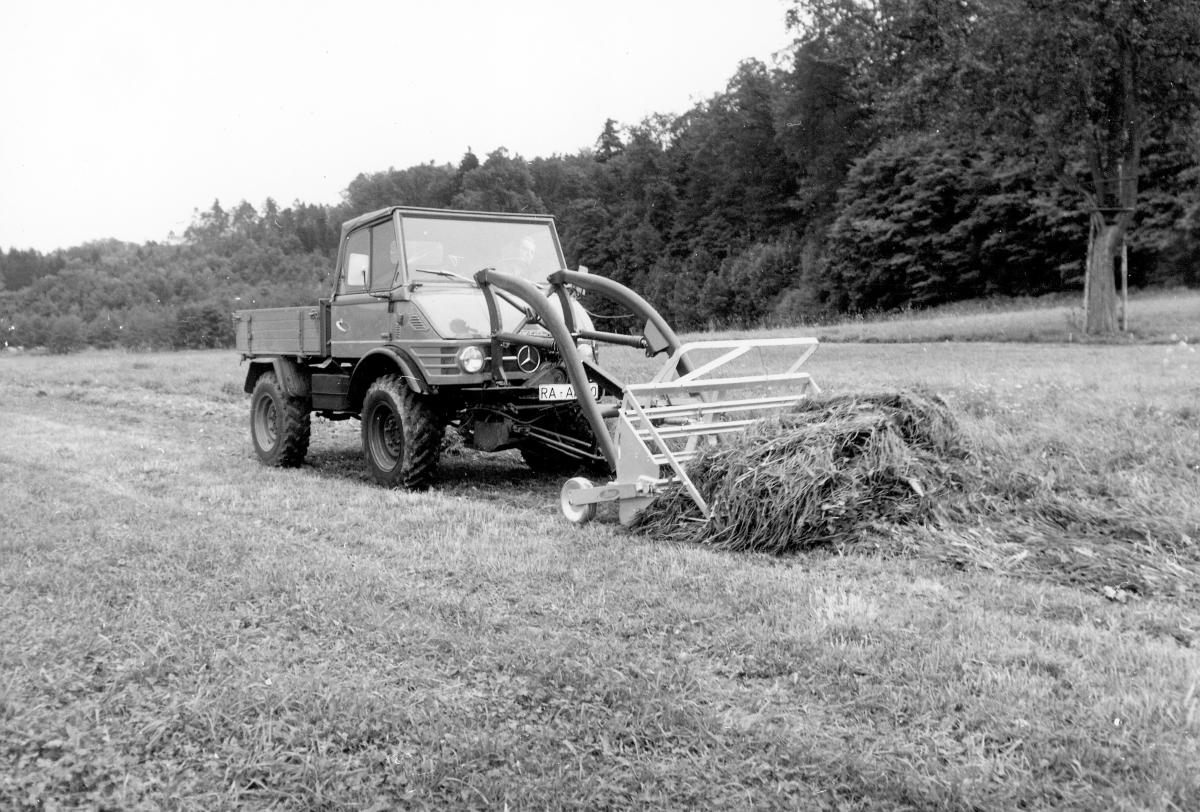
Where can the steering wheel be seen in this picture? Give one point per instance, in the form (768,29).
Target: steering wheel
(511,265)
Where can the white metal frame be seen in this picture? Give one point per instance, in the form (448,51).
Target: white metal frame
(674,408)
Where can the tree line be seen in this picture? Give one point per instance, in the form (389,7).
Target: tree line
(905,153)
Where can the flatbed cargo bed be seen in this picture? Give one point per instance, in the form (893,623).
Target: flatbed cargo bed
(300,331)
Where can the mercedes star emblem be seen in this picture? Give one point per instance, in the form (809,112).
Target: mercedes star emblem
(528,358)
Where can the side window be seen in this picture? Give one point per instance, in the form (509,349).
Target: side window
(385,256)
(358,261)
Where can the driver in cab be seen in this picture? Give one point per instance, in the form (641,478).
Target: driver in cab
(526,252)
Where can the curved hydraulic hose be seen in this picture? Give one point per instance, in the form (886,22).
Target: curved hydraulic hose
(624,296)
(553,322)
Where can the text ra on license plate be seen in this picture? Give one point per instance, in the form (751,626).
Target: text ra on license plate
(563,391)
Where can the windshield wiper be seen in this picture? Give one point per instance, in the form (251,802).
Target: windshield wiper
(447,274)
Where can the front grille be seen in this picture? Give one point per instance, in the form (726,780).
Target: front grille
(438,360)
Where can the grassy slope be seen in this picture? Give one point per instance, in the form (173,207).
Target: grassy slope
(183,626)
(1157,316)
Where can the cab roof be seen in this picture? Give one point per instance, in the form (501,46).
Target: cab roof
(448,214)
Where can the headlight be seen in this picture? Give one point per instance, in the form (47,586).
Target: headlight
(587,351)
(471,359)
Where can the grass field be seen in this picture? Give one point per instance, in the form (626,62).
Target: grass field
(185,628)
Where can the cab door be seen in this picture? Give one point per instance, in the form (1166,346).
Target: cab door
(361,315)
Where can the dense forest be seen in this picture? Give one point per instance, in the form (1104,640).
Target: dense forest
(905,153)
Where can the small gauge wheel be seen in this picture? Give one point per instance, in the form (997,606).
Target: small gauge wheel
(576,514)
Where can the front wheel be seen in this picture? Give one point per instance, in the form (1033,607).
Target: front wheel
(401,435)
(279,424)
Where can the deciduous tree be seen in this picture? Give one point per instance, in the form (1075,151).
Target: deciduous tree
(502,183)
(1078,84)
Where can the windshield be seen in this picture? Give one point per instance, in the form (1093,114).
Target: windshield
(444,246)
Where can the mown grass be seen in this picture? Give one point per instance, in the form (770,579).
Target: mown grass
(186,628)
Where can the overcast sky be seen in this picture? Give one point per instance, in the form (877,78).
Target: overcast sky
(122,118)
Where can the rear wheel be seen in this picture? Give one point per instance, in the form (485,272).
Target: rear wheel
(401,435)
(279,424)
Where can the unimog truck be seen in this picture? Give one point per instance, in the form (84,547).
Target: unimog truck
(471,320)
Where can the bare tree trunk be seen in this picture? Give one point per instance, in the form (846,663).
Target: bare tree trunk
(1101,286)
(1115,157)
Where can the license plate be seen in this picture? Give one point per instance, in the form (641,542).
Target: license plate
(563,391)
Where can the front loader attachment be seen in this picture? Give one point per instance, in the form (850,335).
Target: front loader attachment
(664,424)
(703,392)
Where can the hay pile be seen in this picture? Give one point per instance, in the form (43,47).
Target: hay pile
(894,474)
(833,472)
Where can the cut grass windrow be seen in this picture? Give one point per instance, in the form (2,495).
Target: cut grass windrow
(893,473)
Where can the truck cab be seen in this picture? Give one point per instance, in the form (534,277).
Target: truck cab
(406,277)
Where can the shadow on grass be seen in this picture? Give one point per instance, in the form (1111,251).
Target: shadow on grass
(501,478)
